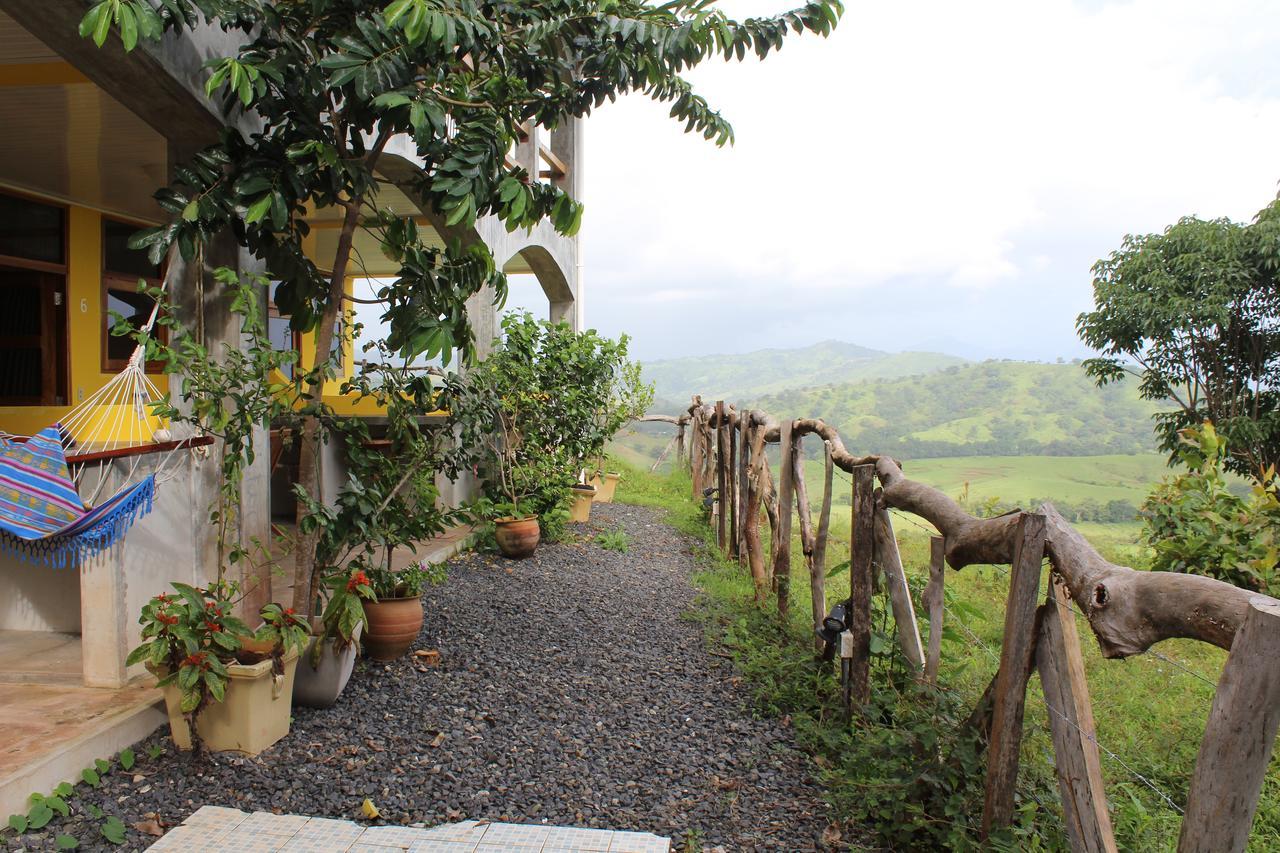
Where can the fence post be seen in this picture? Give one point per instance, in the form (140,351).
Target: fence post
(860,557)
(786,497)
(695,454)
(755,492)
(1016,653)
(732,497)
(1238,738)
(818,563)
(895,578)
(680,459)
(744,489)
(933,599)
(1075,740)
(722,479)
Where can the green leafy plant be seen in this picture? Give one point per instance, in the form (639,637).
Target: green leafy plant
(284,631)
(1191,313)
(330,85)
(190,637)
(407,582)
(614,540)
(1196,524)
(541,405)
(343,612)
(113,830)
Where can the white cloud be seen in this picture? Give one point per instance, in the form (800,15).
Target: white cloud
(977,145)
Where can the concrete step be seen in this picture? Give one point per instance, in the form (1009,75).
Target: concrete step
(50,732)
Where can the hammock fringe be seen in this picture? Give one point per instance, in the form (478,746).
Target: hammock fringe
(104,533)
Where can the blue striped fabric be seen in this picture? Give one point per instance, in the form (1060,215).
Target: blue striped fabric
(43,519)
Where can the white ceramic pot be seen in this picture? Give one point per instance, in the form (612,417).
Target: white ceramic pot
(320,686)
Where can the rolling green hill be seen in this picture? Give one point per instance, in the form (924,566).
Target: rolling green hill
(730,377)
(996,408)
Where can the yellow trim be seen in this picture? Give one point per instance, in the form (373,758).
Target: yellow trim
(85,326)
(41,74)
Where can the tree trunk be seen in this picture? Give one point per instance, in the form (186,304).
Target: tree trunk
(309,459)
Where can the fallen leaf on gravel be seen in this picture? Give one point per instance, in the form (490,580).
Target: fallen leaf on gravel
(726,784)
(438,739)
(369,809)
(151,826)
(431,657)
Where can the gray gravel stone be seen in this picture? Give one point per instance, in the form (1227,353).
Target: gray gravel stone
(571,690)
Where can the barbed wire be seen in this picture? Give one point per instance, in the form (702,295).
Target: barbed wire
(1088,736)
(1091,737)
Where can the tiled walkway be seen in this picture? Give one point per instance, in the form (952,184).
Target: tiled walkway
(213,828)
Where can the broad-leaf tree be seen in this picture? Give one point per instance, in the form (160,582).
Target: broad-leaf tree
(1194,314)
(330,83)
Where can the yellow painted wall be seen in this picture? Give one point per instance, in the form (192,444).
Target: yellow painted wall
(85,326)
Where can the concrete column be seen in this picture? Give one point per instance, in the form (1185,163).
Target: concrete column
(103,616)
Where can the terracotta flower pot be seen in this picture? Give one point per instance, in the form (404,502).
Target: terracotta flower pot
(517,537)
(583,495)
(391,626)
(606,488)
(254,713)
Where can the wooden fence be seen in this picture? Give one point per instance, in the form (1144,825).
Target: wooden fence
(1128,611)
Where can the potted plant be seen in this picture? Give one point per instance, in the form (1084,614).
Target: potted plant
(534,408)
(606,483)
(583,495)
(623,397)
(219,695)
(326,664)
(394,617)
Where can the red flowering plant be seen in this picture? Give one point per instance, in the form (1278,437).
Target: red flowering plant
(343,612)
(188,638)
(284,629)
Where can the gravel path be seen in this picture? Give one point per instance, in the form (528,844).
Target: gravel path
(570,691)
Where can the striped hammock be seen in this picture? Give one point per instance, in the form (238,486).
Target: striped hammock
(42,517)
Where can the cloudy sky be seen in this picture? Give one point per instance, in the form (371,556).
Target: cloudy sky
(936,175)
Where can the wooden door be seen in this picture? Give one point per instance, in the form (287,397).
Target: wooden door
(33,338)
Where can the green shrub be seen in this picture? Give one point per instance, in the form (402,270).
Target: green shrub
(1196,524)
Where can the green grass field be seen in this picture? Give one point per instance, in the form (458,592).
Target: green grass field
(1150,710)
(1017,479)
(1012,479)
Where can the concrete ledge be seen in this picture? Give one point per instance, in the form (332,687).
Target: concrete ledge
(63,761)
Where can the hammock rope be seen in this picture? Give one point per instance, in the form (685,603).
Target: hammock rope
(48,514)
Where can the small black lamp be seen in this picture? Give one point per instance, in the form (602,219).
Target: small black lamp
(834,623)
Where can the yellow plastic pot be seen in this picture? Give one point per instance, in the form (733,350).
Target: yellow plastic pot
(252,716)
(605,488)
(582,496)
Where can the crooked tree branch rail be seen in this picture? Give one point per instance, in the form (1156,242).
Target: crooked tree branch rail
(1128,611)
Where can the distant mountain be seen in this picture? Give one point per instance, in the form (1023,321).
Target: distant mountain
(995,408)
(735,377)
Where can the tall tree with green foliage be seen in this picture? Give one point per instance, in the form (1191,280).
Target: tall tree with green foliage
(1194,313)
(332,82)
